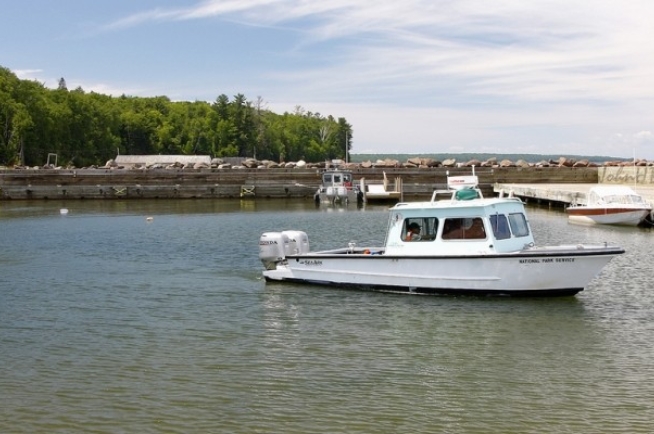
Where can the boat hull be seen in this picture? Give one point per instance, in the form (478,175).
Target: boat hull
(538,272)
(608,216)
(343,196)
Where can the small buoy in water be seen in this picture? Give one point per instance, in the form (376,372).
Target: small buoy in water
(149,219)
(63,211)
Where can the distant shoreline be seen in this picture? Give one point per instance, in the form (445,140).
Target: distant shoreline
(466,156)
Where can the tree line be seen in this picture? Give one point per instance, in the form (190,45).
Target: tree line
(88,128)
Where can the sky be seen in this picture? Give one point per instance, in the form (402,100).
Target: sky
(563,77)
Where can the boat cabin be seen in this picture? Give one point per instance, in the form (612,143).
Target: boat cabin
(614,195)
(337,178)
(466,223)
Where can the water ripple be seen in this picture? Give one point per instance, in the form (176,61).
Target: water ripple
(109,324)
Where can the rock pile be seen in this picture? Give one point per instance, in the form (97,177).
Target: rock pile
(413,162)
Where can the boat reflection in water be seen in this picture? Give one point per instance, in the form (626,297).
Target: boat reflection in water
(464,243)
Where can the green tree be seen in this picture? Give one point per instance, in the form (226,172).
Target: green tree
(89,128)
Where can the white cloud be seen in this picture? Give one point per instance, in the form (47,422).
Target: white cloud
(644,136)
(28,74)
(549,50)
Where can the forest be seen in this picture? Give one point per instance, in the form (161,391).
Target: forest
(88,128)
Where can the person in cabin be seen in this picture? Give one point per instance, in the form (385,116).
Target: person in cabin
(413,233)
(347,182)
(476,230)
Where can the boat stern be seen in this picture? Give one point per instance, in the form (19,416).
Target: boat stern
(275,246)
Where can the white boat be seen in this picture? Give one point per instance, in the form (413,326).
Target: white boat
(338,187)
(467,244)
(611,205)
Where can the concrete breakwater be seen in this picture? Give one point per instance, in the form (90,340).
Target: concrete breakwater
(22,184)
(278,183)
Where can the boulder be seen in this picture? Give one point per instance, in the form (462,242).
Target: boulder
(566,162)
(490,162)
(271,164)
(387,163)
(250,163)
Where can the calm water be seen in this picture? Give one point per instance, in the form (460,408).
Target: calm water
(113,324)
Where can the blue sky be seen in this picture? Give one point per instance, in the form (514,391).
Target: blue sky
(411,76)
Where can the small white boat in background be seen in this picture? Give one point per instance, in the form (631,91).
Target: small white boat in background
(462,244)
(338,187)
(611,205)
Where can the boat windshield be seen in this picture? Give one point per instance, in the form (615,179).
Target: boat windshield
(500,226)
(615,195)
(336,179)
(620,199)
(518,223)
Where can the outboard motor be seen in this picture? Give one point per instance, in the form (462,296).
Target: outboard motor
(331,193)
(272,247)
(298,242)
(275,246)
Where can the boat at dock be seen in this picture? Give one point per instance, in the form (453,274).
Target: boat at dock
(456,243)
(611,205)
(338,187)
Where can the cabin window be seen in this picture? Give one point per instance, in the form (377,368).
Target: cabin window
(518,224)
(500,226)
(420,229)
(469,228)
